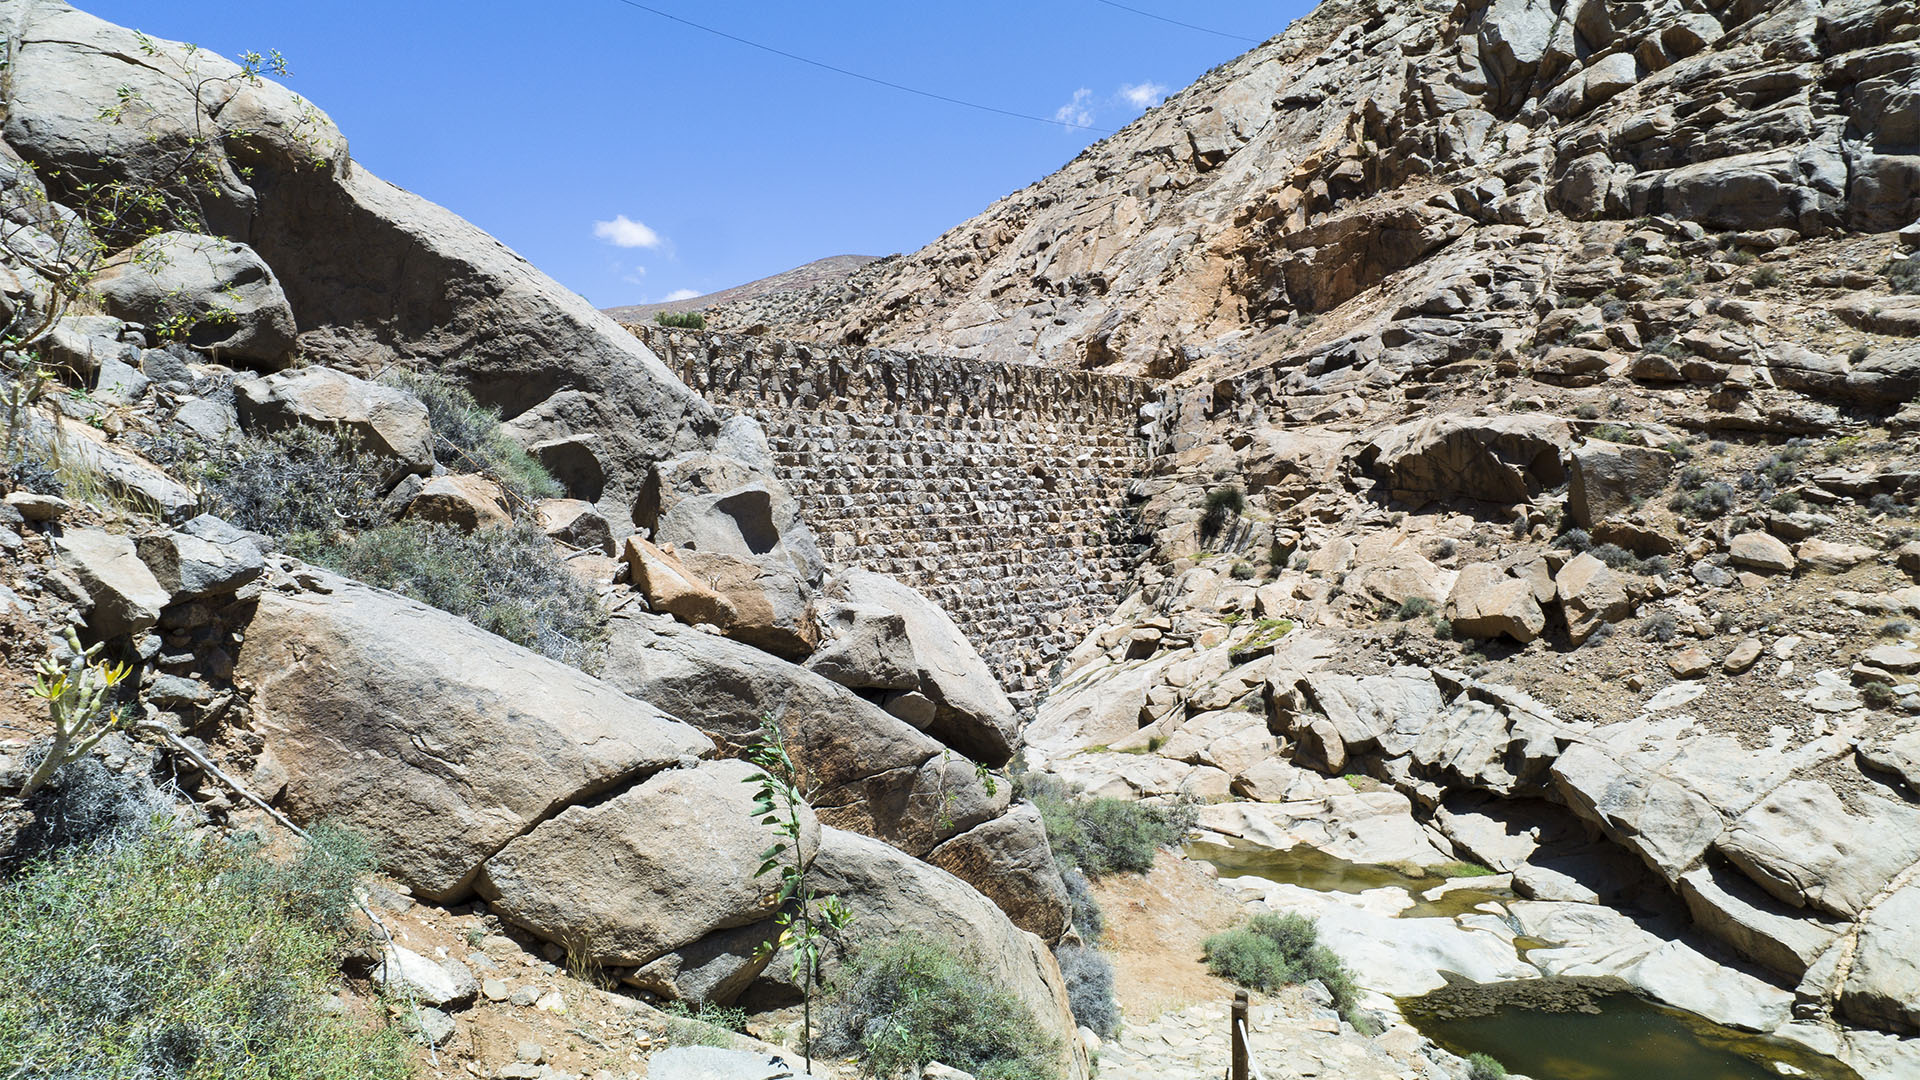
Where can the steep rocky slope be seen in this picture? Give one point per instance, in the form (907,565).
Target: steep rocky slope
(1369,139)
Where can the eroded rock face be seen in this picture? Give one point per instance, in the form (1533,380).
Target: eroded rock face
(1498,460)
(437,739)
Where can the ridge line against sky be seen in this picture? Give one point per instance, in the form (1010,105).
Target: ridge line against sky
(636,160)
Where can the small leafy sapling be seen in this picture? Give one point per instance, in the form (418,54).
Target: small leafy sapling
(76,695)
(806,919)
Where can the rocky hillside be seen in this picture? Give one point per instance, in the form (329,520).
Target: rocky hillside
(1377,156)
(1538,454)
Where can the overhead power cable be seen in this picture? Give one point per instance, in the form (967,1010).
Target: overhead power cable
(862,77)
(1187,25)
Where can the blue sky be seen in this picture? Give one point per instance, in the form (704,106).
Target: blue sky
(711,163)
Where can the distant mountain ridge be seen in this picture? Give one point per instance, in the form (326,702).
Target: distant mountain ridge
(817,274)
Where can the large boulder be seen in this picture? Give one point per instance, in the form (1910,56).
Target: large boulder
(864,769)
(126,596)
(1012,863)
(657,867)
(971,711)
(717,969)
(865,648)
(468,502)
(1607,478)
(233,306)
(1591,594)
(668,586)
(385,419)
(204,557)
(437,739)
(1487,603)
(1761,551)
(1493,459)
(771,600)
(575,523)
(721,505)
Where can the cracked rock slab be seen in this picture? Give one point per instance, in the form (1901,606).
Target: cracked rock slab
(437,739)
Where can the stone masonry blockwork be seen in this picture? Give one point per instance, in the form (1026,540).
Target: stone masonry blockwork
(998,490)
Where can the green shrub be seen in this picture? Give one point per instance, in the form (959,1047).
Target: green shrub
(1241,571)
(908,1001)
(1413,607)
(1662,626)
(1765,277)
(467,436)
(1269,951)
(181,956)
(1484,1067)
(84,802)
(1101,835)
(301,480)
(1878,695)
(1710,501)
(1089,980)
(1088,919)
(681,320)
(704,1024)
(1904,274)
(1575,540)
(506,580)
(1222,503)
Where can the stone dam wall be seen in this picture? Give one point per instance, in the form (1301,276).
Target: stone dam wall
(998,490)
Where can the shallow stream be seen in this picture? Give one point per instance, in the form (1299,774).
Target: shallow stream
(1311,868)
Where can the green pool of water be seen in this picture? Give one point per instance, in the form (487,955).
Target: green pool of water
(1613,1036)
(1311,868)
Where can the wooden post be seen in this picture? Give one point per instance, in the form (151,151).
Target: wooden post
(1239,1025)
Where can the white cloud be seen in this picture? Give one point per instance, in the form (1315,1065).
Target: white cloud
(625,232)
(1143,95)
(680,294)
(1077,113)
